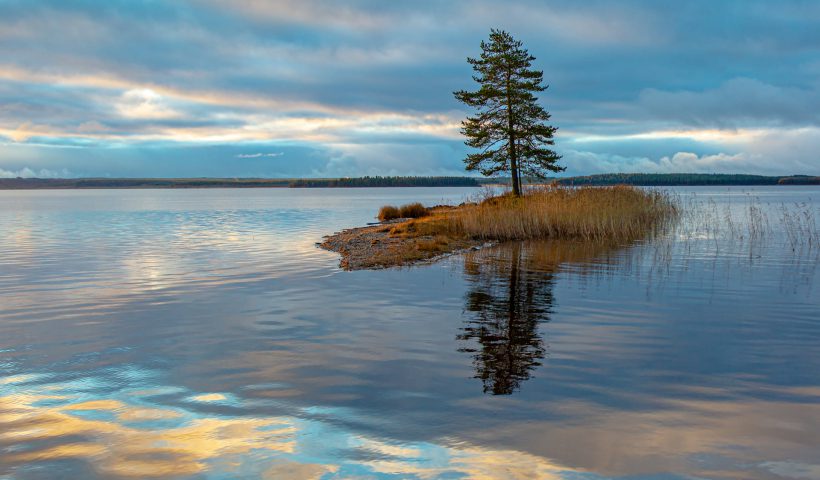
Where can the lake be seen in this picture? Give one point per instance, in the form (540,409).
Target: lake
(202,334)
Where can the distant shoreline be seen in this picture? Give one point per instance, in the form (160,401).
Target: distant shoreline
(634,179)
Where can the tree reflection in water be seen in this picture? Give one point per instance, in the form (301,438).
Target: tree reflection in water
(510,295)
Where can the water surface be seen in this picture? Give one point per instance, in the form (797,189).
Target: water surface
(201,334)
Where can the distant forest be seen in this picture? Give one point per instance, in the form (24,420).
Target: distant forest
(57,183)
(638,179)
(386,182)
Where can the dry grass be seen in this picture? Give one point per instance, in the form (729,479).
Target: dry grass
(437,223)
(439,243)
(618,214)
(411,210)
(388,212)
(610,214)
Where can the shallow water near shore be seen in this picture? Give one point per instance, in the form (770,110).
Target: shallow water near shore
(202,334)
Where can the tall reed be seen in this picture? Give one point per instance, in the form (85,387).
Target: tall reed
(619,213)
(411,210)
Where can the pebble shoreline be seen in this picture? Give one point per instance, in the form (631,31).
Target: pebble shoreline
(372,247)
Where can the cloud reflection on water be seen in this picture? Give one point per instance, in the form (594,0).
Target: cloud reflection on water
(135,436)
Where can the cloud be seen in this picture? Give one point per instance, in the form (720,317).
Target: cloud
(767,151)
(257,155)
(21,133)
(93,127)
(581,162)
(735,103)
(30,173)
(144,103)
(392,158)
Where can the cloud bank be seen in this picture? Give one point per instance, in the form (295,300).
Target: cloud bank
(311,88)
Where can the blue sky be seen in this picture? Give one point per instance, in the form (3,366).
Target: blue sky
(308,88)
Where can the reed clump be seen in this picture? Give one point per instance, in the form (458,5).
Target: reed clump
(411,210)
(388,212)
(619,213)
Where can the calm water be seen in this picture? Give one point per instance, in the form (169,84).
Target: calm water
(201,334)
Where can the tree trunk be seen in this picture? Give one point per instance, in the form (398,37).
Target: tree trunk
(516,184)
(516,181)
(520,183)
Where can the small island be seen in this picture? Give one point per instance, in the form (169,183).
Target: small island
(413,233)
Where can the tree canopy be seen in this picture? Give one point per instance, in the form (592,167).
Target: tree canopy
(510,128)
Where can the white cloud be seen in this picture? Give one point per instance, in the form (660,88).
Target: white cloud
(770,151)
(30,173)
(144,103)
(21,133)
(584,163)
(717,163)
(257,155)
(357,159)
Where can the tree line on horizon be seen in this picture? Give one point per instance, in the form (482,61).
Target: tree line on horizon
(637,179)
(378,181)
(604,179)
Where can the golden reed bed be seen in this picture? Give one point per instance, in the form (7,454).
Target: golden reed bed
(617,215)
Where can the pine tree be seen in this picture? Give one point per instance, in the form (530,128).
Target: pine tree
(510,128)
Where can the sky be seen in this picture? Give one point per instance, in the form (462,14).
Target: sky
(210,88)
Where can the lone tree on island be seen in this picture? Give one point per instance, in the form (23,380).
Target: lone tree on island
(510,127)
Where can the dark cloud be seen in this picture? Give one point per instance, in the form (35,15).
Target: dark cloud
(738,102)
